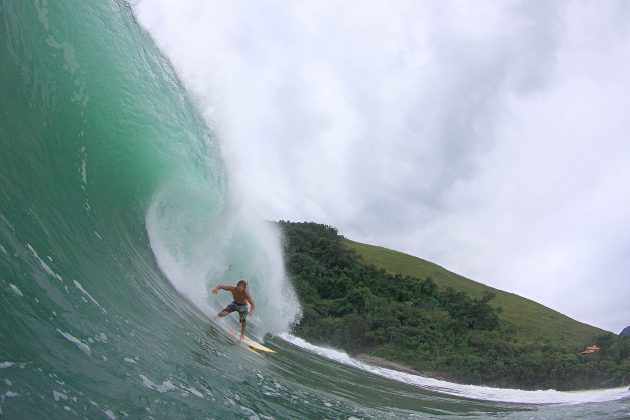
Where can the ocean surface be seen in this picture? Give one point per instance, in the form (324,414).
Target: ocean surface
(117,216)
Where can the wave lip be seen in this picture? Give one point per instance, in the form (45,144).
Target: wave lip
(549,396)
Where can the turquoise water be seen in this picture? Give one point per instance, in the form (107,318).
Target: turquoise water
(116,217)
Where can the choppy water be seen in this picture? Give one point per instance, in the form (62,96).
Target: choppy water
(115,218)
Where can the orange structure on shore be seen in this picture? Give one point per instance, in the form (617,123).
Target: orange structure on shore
(591,349)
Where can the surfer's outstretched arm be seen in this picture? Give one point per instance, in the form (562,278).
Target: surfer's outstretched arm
(222,287)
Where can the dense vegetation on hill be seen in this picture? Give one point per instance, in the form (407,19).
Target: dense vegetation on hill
(536,324)
(444,331)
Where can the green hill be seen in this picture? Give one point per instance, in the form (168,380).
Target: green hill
(536,323)
(368,300)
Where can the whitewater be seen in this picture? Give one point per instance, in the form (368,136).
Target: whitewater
(116,218)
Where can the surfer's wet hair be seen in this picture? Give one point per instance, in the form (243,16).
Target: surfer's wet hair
(243,282)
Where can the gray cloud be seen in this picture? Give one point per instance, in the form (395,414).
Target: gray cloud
(488,137)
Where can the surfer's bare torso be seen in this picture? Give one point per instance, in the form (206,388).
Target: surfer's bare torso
(240,296)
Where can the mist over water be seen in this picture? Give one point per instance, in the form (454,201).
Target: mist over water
(116,217)
(199,245)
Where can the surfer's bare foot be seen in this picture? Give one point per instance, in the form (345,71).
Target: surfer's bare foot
(242,336)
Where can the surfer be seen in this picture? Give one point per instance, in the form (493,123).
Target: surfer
(241,297)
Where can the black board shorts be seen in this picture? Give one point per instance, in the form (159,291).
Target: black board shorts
(241,309)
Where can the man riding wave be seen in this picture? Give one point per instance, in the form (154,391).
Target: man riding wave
(241,297)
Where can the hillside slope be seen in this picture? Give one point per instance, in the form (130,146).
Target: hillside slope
(540,324)
(384,304)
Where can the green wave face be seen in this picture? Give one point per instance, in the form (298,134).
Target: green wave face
(115,219)
(94,122)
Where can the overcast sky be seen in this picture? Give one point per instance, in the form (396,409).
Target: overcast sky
(489,137)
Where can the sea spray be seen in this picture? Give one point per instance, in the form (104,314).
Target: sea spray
(199,241)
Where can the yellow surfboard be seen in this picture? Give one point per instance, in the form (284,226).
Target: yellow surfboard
(246,341)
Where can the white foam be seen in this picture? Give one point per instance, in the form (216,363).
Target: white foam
(5,365)
(58,396)
(164,387)
(80,287)
(81,345)
(199,242)
(194,391)
(252,414)
(15,290)
(84,172)
(43,264)
(110,414)
(549,396)
(128,360)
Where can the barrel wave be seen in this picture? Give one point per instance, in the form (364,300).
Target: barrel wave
(117,216)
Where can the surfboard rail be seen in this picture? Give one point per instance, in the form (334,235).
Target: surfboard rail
(246,341)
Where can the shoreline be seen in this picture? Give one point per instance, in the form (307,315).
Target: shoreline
(388,364)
